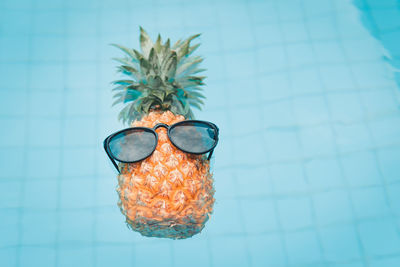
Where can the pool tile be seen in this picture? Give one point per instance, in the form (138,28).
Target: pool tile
(371,202)
(75,256)
(259,216)
(317,141)
(43,163)
(38,256)
(303,248)
(377,232)
(324,174)
(191,250)
(9,256)
(295,213)
(75,226)
(266,250)
(109,255)
(360,169)
(310,110)
(45,227)
(77,193)
(332,207)
(288,179)
(145,253)
(340,243)
(229,251)
(35,198)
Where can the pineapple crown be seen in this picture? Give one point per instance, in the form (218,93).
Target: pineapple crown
(161,78)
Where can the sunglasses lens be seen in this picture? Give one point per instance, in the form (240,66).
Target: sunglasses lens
(193,137)
(132,145)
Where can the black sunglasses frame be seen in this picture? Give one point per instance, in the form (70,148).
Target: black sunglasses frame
(106,142)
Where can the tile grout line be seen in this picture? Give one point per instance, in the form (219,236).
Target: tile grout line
(280,228)
(21,209)
(315,228)
(234,152)
(62,141)
(98,36)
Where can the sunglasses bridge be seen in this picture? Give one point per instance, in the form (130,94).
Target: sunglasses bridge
(158,125)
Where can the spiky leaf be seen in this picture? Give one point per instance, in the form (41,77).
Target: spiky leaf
(162,78)
(128,51)
(145,42)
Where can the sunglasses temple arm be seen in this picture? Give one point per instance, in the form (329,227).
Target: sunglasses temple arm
(209,155)
(108,154)
(115,164)
(211,152)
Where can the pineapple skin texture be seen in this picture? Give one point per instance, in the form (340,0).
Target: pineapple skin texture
(169,194)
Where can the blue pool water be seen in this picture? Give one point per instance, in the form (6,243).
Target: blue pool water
(307,171)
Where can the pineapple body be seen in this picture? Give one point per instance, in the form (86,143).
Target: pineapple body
(169,194)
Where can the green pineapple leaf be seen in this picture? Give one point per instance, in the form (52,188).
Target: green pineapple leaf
(188,67)
(162,77)
(155,82)
(128,51)
(196,105)
(158,44)
(192,49)
(145,42)
(123,82)
(196,95)
(170,65)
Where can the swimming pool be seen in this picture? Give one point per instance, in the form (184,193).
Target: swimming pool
(306,97)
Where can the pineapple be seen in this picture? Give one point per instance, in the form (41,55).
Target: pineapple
(169,194)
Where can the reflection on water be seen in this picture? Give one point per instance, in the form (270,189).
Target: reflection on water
(382,20)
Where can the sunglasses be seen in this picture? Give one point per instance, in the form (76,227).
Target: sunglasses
(138,143)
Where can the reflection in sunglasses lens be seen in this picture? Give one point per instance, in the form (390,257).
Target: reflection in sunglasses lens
(132,145)
(194,137)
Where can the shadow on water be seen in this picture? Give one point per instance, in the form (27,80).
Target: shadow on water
(382,19)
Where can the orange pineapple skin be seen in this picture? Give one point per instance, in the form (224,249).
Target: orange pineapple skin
(169,194)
